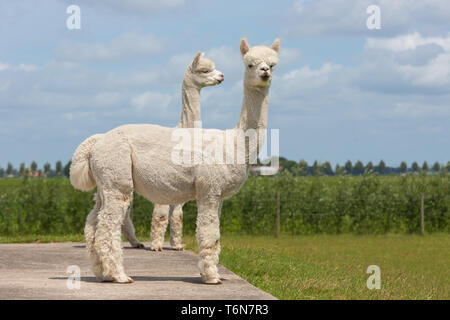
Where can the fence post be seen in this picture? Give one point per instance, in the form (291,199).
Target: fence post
(278,216)
(422,215)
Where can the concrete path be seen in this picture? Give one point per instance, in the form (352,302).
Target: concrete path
(39,271)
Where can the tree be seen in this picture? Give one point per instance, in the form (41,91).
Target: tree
(22,169)
(381,167)
(369,166)
(2,172)
(58,168)
(316,168)
(415,167)
(425,167)
(302,168)
(358,168)
(348,167)
(403,167)
(9,168)
(33,166)
(339,170)
(326,168)
(436,167)
(67,169)
(47,168)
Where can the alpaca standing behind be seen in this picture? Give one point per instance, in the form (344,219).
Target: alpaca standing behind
(200,73)
(139,157)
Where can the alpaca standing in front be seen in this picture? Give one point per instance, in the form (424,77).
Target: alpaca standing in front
(140,158)
(200,73)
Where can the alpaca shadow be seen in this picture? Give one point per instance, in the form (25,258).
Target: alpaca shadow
(79,246)
(192,280)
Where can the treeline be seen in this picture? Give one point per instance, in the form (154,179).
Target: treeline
(302,168)
(33,171)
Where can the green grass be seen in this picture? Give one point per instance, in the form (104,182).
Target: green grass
(41,238)
(334,267)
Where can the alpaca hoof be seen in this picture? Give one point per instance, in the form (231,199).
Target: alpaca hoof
(156,248)
(213,281)
(139,245)
(179,247)
(123,279)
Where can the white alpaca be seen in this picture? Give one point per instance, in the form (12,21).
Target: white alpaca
(200,73)
(139,157)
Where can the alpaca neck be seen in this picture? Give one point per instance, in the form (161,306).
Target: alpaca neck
(190,112)
(253,116)
(254,108)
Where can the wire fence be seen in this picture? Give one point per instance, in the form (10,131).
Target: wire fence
(361,205)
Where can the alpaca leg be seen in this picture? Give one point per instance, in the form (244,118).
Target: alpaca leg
(160,218)
(208,235)
(128,229)
(89,234)
(176,226)
(108,242)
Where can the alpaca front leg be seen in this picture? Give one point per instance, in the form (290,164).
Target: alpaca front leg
(176,226)
(208,235)
(108,242)
(128,229)
(160,218)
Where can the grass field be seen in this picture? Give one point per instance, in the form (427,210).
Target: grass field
(334,267)
(329,266)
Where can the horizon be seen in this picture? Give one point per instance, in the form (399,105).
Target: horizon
(341,91)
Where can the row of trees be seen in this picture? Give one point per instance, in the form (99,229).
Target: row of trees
(302,168)
(26,171)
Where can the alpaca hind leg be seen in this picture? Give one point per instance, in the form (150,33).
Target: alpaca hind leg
(176,226)
(208,235)
(108,242)
(89,234)
(160,218)
(128,230)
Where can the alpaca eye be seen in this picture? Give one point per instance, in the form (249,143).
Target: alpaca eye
(250,66)
(205,71)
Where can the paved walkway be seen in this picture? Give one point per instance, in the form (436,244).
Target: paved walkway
(39,271)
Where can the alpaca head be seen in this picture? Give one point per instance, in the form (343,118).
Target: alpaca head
(259,62)
(202,72)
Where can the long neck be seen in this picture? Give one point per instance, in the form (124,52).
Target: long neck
(254,108)
(254,116)
(190,111)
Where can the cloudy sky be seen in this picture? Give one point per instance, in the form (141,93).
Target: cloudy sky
(340,91)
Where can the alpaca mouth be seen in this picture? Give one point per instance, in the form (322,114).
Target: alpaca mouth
(265,77)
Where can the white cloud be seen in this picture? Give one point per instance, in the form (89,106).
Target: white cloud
(125,46)
(135,7)
(331,17)
(407,42)
(153,101)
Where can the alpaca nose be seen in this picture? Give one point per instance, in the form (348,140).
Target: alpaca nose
(265,68)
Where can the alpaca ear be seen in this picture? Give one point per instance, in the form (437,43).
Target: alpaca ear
(244,46)
(276,45)
(196,60)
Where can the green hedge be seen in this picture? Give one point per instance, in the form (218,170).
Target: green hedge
(368,204)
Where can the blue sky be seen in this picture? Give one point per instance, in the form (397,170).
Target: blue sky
(340,92)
